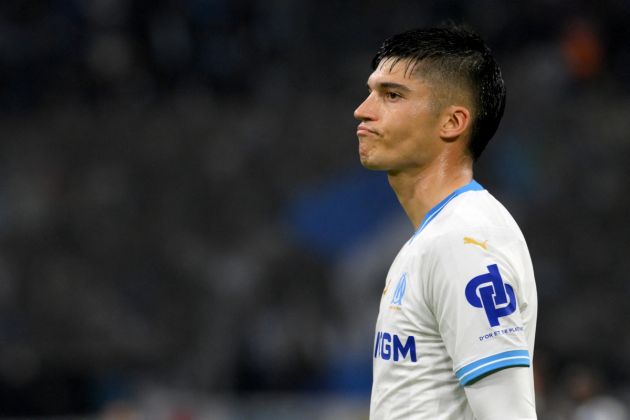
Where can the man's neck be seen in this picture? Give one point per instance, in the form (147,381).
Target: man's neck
(420,190)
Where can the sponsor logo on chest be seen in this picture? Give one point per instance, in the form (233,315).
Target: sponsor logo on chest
(391,347)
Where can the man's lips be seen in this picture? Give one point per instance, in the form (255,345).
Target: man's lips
(363,130)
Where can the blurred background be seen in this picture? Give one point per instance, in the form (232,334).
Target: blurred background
(186,232)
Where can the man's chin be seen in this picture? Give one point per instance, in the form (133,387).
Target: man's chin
(371,165)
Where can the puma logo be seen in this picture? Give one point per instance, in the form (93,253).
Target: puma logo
(472,241)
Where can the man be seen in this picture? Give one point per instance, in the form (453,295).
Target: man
(455,332)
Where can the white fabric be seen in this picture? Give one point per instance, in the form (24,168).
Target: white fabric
(431,340)
(504,395)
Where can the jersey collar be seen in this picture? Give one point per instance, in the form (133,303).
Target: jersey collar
(471,186)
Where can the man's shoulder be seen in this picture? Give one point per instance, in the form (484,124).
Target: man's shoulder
(475,210)
(472,219)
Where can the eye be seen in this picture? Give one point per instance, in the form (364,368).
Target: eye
(392,96)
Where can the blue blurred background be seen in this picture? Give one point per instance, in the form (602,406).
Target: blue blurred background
(186,232)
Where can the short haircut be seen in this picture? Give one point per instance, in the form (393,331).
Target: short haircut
(459,58)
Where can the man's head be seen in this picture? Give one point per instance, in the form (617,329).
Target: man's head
(458,70)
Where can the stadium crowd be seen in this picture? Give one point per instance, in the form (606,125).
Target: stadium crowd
(159,166)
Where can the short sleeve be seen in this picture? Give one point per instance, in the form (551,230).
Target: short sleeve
(475,295)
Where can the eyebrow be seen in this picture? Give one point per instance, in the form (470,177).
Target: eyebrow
(391,85)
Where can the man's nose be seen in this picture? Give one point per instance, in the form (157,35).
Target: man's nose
(365,112)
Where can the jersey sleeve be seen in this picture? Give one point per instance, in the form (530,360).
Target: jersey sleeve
(475,295)
(492,399)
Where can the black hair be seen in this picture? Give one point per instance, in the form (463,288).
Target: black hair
(459,56)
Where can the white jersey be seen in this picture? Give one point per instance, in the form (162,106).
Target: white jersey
(459,304)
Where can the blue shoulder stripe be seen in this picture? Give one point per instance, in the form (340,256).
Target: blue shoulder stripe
(472,186)
(486,365)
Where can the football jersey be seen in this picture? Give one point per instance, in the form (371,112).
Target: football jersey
(459,303)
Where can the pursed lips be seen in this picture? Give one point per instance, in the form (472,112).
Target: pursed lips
(363,130)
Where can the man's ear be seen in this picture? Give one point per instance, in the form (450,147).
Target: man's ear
(456,120)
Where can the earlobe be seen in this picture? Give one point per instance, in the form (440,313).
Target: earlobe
(457,120)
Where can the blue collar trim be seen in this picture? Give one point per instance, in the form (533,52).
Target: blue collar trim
(472,186)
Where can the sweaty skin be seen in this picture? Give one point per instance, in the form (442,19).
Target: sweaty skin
(421,146)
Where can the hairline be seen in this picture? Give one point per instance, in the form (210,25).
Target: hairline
(444,88)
